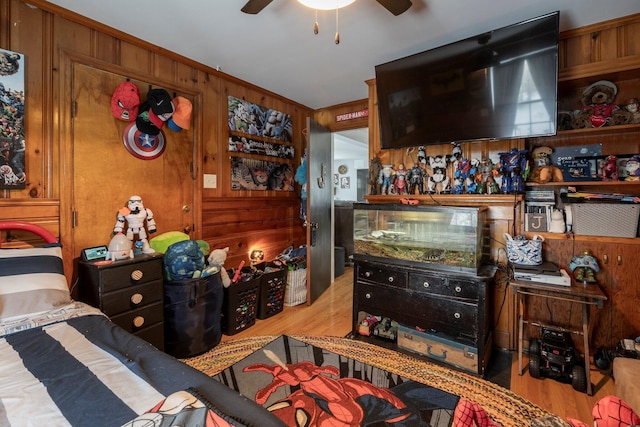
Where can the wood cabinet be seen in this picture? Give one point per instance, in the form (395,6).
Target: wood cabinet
(453,304)
(130,292)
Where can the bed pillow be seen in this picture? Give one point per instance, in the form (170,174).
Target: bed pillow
(32,281)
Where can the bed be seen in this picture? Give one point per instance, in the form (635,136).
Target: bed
(64,363)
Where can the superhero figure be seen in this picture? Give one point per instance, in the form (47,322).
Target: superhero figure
(400,183)
(135,214)
(512,168)
(386,178)
(415,177)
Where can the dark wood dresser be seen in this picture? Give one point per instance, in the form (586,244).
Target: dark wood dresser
(130,292)
(448,307)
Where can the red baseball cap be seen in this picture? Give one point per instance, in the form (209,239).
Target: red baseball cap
(125,102)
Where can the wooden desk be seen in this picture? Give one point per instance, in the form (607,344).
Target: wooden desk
(583,295)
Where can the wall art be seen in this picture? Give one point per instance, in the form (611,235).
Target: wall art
(241,144)
(256,120)
(12,144)
(254,174)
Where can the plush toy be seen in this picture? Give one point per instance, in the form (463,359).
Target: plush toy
(217,259)
(542,171)
(610,411)
(599,109)
(609,168)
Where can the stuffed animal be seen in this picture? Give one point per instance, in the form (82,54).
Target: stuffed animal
(542,171)
(217,257)
(598,107)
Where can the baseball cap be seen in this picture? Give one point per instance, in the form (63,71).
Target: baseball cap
(181,118)
(143,121)
(125,102)
(160,103)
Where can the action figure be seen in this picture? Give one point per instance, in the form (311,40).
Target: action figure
(463,169)
(584,267)
(439,166)
(400,183)
(375,167)
(415,177)
(512,168)
(136,214)
(386,178)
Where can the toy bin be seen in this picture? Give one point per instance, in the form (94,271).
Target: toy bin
(240,303)
(272,287)
(192,315)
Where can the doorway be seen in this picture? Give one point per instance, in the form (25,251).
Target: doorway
(350,183)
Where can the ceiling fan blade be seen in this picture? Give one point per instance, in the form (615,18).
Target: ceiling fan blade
(396,7)
(255,6)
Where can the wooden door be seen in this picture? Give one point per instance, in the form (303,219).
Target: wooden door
(105,174)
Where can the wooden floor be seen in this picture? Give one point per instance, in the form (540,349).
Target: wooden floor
(331,315)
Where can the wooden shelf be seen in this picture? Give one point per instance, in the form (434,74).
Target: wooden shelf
(586,184)
(452,199)
(585,238)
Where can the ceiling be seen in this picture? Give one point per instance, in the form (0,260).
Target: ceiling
(277,50)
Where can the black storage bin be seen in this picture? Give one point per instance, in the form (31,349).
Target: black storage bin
(192,311)
(240,306)
(272,287)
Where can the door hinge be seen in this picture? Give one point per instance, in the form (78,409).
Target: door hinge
(74,107)
(73,219)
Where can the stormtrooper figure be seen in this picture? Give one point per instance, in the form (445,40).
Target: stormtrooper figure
(135,215)
(438,165)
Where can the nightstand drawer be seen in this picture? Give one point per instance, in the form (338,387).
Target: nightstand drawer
(135,320)
(132,297)
(121,276)
(445,286)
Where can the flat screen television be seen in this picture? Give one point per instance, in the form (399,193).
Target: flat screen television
(501,84)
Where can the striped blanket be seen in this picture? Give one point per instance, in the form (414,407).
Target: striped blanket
(87,371)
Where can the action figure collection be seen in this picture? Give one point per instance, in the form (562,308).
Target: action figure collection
(450,174)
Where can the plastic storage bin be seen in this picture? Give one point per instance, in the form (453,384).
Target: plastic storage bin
(240,304)
(272,289)
(192,315)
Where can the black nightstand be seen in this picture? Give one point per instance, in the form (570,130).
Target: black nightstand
(130,292)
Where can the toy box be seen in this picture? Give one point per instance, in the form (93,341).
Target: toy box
(240,305)
(439,347)
(272,288)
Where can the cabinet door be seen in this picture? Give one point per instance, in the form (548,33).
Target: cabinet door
(619,318)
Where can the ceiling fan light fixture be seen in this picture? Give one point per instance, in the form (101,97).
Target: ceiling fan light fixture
(326,4)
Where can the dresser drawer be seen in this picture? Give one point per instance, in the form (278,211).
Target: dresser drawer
(382,275)
(121,276)
(445,286)
(453,317)
(132,297)
(141,318)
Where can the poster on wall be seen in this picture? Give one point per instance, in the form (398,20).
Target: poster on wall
(256,120)
(255,174)
(241,144)
(12,145)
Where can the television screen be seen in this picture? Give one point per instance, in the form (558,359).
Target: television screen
(498,85)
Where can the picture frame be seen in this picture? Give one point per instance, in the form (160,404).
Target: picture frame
(345,182)
(335,179)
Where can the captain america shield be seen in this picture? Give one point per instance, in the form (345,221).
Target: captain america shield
(142,145)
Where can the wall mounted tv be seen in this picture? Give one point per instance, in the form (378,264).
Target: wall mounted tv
(498,85)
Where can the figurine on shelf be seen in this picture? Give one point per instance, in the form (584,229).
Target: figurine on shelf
(512,168)
(632,106)
(438,165)
(386,178)
(463,168)
(375,167)
(415,177)
(400,183)
(609,167)
(584,267)
(633,168)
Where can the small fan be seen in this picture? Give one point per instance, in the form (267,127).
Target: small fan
(396,7)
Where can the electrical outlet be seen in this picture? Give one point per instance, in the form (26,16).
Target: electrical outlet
(210,180)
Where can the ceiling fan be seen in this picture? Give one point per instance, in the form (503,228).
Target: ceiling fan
(396,7)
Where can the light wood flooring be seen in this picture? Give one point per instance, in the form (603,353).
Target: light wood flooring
(331,315)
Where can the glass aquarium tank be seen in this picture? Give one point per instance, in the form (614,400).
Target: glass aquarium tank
(444,237)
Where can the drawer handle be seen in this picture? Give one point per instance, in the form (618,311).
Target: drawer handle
(456,315)
(136,299)
(136,275)
(390,279)
(138,321)
(368,274)
(426,284)
(367,295)
(458,289)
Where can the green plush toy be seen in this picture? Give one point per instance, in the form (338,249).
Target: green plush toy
(162,242)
